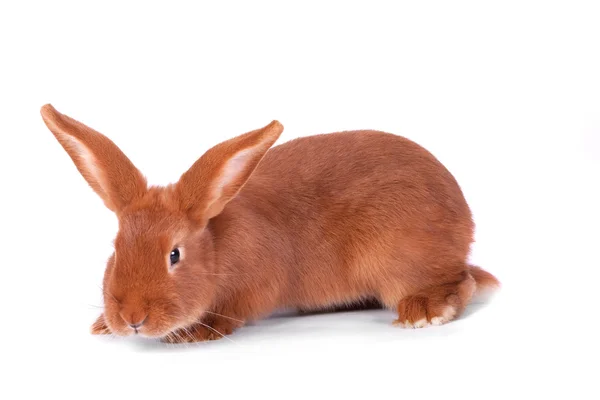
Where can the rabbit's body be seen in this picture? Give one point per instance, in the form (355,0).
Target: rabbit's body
(333,219)
(319,222)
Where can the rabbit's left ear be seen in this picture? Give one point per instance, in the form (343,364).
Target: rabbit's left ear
(217,176)
(103,165)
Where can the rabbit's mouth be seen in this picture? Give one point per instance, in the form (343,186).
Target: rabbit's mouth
(152,321)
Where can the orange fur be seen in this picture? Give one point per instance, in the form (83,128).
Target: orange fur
(321,222)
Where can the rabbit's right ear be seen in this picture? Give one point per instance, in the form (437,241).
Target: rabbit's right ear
(103,165)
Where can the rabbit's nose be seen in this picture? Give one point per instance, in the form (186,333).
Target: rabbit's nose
(134,319)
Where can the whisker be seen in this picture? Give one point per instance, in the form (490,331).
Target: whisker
(109,294)
(171,339)
(224,316)
(190,335)
(223,336)
(179,339)
(174,337)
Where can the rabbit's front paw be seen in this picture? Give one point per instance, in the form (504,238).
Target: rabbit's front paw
(99,327)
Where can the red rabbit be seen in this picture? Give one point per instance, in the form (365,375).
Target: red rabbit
(318,222)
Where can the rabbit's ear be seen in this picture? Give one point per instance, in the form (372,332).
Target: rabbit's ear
(221,172)
(103,165)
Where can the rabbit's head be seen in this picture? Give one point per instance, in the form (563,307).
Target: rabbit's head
(162,275)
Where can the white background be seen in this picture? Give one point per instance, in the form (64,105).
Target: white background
(506,94)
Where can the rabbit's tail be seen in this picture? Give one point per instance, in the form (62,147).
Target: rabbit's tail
(487,283)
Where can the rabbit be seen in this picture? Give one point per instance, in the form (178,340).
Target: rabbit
(324,221)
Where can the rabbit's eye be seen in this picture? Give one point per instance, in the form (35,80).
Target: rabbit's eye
(174,256)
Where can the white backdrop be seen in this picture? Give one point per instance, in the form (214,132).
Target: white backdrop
(506,94)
